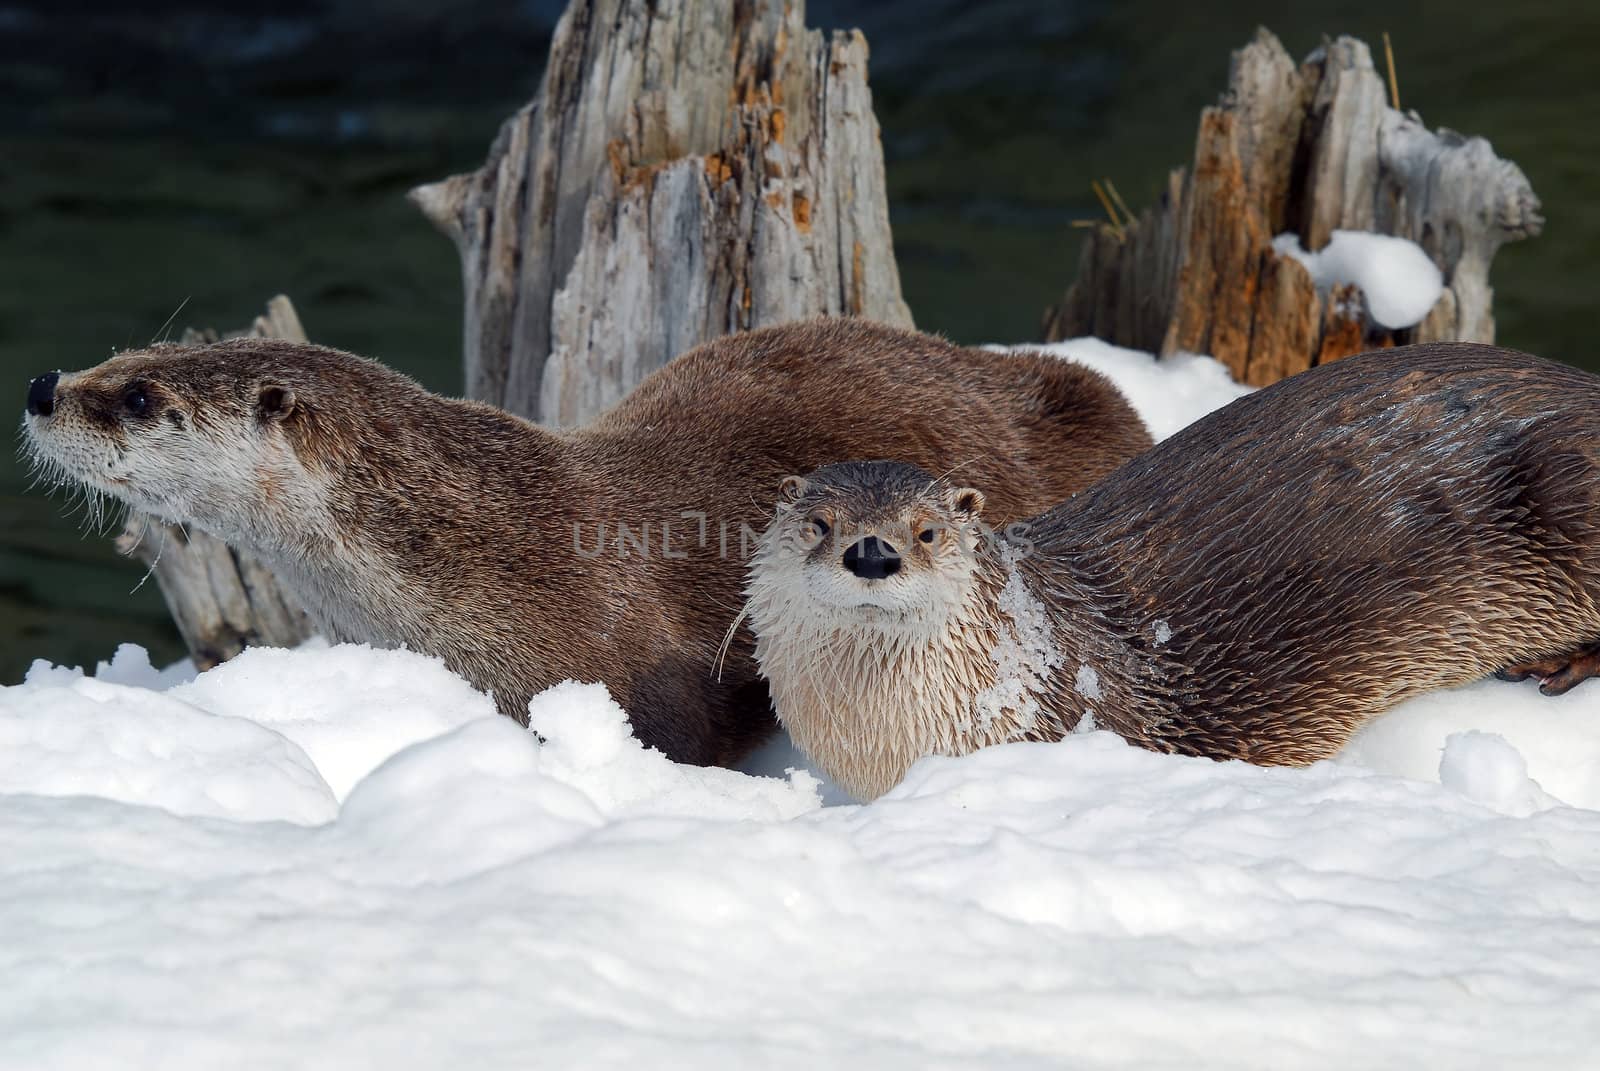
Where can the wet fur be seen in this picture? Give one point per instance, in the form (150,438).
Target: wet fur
(403,518)
(1267,580)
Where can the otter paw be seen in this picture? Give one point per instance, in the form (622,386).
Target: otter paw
(1559,675)
(1584,664)
(1521,671)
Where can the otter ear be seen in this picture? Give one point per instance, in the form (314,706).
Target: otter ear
(274,402)
(792,488)
(965,500)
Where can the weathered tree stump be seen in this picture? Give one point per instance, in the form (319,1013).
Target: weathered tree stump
(1308,149)
(221,599)
(689,168)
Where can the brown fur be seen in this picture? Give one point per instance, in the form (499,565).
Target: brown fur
(1264,582)
(451,523)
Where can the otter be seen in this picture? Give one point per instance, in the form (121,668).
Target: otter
(1256,587)
(524,556)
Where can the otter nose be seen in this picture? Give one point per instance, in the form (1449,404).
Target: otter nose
(42,394)
(872,559)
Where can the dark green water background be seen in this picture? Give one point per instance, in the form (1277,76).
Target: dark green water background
(213,155)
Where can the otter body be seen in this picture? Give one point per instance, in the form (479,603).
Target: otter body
(524,556)
(1256,587)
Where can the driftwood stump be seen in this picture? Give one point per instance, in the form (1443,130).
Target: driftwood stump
(1309,149)
(689,168)
(221,599)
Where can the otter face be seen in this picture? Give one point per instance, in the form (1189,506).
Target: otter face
(170,430)
(878,541)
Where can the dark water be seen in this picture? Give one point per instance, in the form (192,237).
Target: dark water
(215,154)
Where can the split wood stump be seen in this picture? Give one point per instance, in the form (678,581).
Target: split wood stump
(1308,149)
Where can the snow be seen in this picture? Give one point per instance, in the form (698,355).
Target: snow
(338,856)
(1167,394)
(1087,682)
(112,741)
(484,898)
(1558,737)
(347,714)
(1023,656)
(1485,767)
(1400,282)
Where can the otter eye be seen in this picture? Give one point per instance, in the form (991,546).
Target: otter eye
(926,535)
(818,528)
(136,400)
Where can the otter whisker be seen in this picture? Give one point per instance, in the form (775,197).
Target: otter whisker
(953,468)
(727,640)
(155,561)
(138,539)
(163,333)
(730,605)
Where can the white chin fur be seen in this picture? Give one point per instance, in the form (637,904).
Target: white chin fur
(93,468)
(81,472)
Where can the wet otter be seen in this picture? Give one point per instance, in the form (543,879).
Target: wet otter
(1255,587)
(524,556)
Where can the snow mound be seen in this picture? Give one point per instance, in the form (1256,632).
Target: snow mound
(590,745)
(1400,282)
(1485,767)
(84,737)
(130,664)
(348,707)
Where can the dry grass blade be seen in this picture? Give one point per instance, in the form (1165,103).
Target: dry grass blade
(1105,203)
(1394,83)
(1116,197)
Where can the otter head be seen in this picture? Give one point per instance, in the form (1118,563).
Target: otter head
(875,599)
(875,543)
(200,434)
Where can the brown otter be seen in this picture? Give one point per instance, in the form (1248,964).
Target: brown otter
(1255,587)
(524,556)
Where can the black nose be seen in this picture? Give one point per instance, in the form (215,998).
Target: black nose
(42,394)
(872,559)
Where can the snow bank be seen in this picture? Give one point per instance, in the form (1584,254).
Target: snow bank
(1400,281)
(484,898)
(340,857)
